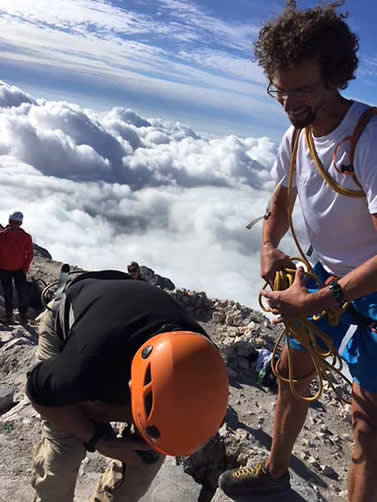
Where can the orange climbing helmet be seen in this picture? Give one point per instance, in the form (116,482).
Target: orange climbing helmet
(179,392)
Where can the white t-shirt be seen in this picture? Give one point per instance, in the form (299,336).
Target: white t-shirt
(339,228)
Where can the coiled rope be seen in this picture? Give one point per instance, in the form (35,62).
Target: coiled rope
(303,330)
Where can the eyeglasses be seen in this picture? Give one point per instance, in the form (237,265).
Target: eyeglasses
(298,94)
(133,269)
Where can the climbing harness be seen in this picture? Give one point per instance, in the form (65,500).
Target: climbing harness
(303,330)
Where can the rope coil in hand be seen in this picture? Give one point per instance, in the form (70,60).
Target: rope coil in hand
(307,334)
(304,330)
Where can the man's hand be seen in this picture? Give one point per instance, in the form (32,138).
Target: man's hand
(292,303)
(271,260)
(123,449)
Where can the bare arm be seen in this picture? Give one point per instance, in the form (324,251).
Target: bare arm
(274,229)
(296,301)
(276,226)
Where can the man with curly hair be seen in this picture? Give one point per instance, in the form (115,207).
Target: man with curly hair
(308,56)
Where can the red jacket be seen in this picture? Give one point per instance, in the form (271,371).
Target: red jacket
(16,249)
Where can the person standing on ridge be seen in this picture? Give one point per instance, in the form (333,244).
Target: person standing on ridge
(16,255)
(120,350)
(308,56)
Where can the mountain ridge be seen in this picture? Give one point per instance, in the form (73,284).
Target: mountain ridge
(320,461)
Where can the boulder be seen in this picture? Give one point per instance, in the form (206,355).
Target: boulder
(172,485)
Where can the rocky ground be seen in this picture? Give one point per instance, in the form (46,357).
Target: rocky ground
(321,456)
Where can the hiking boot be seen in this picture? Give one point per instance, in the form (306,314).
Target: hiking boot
(252,480)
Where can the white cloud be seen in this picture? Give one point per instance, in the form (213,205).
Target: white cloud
(235,36)
(139,69)
(102,189)
(186,21)
(76,15)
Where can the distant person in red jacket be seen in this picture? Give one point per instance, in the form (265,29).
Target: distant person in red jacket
(16,254)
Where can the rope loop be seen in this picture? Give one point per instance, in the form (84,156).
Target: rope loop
(316,343)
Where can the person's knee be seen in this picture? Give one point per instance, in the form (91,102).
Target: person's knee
(301,369)
(63,456)
(285,394)
(67,460)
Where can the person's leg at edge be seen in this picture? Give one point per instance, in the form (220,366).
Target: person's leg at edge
(6,282)
(56,463)
(290,412)
(289,417)
(20,283)
(57,457)
(362,486)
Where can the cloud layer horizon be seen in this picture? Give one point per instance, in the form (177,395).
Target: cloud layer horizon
(101,189)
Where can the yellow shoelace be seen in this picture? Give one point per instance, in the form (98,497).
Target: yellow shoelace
(253,472)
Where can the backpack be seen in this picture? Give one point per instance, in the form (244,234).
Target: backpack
(359,128)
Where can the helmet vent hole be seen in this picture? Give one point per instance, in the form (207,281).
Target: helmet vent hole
(147,351)
(152,432)
(147,377)
(148,401)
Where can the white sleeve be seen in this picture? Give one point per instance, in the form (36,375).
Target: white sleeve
(280,169)
(365,164)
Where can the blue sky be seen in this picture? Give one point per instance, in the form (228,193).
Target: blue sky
(127,185)
(187,61)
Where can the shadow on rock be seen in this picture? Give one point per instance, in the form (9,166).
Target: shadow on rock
(240,380)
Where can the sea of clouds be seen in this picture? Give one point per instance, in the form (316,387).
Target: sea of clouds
(101,189)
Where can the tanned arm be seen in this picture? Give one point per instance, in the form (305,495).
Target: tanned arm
(277,225)
(274,229)
(296,301)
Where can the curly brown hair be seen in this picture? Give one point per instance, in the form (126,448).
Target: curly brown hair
(318,33)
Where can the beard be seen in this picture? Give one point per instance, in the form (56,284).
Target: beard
(303,119)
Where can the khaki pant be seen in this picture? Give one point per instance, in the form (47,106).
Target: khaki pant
(57,457)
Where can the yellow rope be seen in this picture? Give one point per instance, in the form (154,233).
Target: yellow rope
(329,180)
(308,335)
(304,331)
